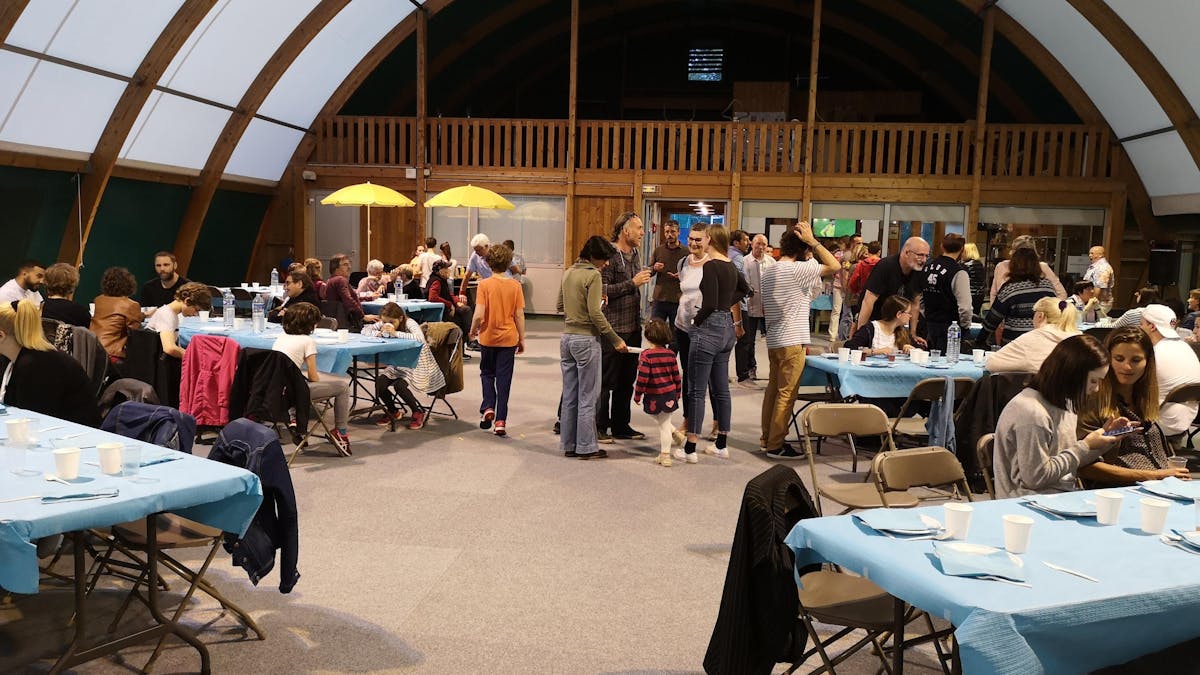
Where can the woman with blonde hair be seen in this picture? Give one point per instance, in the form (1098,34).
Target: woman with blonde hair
(1053,322)
(1130,389)
(36,376)
(973,264)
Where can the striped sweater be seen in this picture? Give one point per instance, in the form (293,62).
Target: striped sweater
(657,375)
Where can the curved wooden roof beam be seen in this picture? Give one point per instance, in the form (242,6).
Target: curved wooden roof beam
(1147,66)
(120,123)
(836,22)
(214,167)
(9,13)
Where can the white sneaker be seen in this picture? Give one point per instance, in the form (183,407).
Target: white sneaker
(692,458)
(723,453)
(679,454)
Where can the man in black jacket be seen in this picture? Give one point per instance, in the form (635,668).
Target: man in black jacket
(299,288)
(947,293)
(160,290)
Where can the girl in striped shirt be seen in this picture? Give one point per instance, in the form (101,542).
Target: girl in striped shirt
(658,384)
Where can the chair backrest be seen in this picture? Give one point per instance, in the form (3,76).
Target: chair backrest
(266,385)
(327,322)
(1184,394)
(356,277)
(837,419)
(218,297)
(90,354)
(445,341)
(1100,333)
(126,389)
(930,466)
(934,388)
(142,353)
(983,454)
(241,294)
(332,309)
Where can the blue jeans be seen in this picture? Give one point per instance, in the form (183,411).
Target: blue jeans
(495,373)
(708,370)
(579,356)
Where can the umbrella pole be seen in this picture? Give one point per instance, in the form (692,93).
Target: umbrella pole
(368,234)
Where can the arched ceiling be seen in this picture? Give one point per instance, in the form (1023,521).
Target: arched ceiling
(230,88)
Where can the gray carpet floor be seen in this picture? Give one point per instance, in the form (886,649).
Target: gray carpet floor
(451,550)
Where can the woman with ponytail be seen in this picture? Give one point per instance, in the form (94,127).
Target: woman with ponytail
(37,377)
(1053,322)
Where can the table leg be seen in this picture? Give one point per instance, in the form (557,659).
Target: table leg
(74,656)
(898,637)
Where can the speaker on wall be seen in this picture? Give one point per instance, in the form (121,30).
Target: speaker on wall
(1164,264)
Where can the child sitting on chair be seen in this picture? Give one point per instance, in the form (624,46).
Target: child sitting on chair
(298,323)
(426,377)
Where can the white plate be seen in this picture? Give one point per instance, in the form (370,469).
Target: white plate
(879,364)
(980,549)
(828,355)
(931,525)
(324,331)
(1155,487)
(326,340)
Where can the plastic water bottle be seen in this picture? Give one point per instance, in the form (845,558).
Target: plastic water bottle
(953,343)
(228,308)
(258,313)
(274,280)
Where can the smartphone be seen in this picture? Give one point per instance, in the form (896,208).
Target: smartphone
(1122,431)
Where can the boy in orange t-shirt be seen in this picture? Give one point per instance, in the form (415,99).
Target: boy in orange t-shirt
(499,326)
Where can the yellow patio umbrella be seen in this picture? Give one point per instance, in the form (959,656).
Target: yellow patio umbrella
(471,197)
(367,194)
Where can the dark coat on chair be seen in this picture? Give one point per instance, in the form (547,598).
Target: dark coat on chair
(267,383)
(758,623)
(155,424)
(980,410)
(51,383)
(256,448)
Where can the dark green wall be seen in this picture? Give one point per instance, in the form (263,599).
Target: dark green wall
(135,220)
(34,205)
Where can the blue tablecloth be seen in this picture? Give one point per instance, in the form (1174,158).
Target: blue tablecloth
(218,495)
(1148,597)
(821,303)
(331,358)
(422,311)
(893,382)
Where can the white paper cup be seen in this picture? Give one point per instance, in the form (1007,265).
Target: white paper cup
(20,431)
(1154,514)
(131,460)
(1016,533)
(239,324)
(343,334)
(958,519)
(843,354)
(245,284)
(1108,506)
(392,297)
(855,357)
(978,355)
(403,297)
(66,463)
(110,457)
(203,314)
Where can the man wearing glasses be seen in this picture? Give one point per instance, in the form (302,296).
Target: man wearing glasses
(893,275)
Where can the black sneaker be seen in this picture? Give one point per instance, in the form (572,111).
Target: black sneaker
(557,428)
(599,454)
(297,437)
(603,437)
(786,452)
(629,435)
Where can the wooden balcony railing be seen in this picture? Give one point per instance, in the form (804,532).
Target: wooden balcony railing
(1010,151)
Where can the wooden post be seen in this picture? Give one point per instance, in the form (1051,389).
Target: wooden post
(733,216)
(981,102)
(422,141)
(811,118)
(569,235)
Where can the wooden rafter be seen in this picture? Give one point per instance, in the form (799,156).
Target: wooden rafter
(120,123)
(10,11)
(210,177)
(1147,66)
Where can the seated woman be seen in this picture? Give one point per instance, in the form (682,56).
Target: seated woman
(298,324)
(116,312)
(1053,322)
(887,335)
(456,309)
(1036,449)
(61,281)
(190,299)
(1142,298)
(1013,306)
(1129,390)
(314,267)
(298,287)
(374,284)
(36,376)
(427,377)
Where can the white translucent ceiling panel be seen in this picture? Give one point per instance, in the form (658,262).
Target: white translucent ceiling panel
(231,46)
(325,62)
(38,23)
(1164,164)
(264,150)
(63,108)
(14,73)
(174,131)
(113,35)
(1108,80)
(1168,27)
